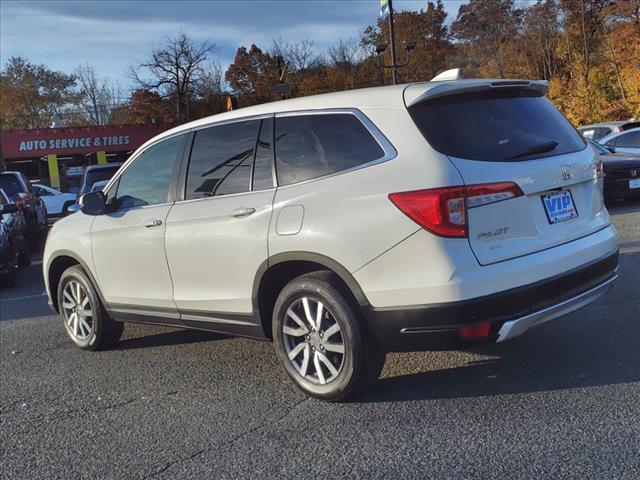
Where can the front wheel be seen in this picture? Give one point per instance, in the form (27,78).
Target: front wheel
(321,340)
(84,317)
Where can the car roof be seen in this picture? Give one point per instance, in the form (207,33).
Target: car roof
(603,124)
(102,166)
(612,135)
(390,96)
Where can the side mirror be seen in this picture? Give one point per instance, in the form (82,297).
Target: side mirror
(9,208)
(611,149)
(93,203)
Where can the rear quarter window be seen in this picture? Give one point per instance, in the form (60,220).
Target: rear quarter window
(313,145)
(496,125)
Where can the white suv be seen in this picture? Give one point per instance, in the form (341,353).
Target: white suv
(344,226)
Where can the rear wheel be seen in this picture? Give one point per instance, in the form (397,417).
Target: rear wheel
(84,317)
(321,340)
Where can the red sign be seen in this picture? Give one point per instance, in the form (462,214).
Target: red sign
(76,140)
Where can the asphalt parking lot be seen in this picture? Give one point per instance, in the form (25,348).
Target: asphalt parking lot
(561,401)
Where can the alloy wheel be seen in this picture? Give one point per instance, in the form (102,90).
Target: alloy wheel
(313,341)
(76,307)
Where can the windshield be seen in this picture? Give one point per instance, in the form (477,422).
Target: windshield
(496,125)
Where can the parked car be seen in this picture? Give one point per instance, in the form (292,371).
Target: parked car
(97,173)
(344,226)
(54,200)
(627,141)
(14,247)
(20,191)
(621,172)
(600,130)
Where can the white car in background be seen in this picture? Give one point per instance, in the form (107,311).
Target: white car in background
(627,141)
(54,200)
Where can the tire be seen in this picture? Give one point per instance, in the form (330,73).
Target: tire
(296,333)
(95,331)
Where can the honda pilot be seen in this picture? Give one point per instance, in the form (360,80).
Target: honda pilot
(345,226)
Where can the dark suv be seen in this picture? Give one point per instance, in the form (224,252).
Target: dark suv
(97,173)
(19,190)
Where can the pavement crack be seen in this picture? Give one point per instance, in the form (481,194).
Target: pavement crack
(230,441)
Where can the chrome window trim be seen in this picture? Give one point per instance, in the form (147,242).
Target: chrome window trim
(388,149)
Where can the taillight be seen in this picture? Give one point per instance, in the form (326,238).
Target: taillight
(443,211)
(480,330)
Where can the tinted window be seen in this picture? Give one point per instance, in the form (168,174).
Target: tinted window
(147,180)
(221,159)
(496,125)
(96,175)
(10,184)
(310,146)
(628,140)
(262,166)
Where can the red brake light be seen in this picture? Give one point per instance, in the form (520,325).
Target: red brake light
(443,211)
(480,330)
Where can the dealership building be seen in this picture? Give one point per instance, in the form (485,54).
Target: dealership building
(58,156)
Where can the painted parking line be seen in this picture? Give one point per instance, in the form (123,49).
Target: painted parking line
(27,297)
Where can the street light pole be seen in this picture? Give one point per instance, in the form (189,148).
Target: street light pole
(392,44)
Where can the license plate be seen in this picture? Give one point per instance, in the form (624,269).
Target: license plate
(635,183)
(559,206)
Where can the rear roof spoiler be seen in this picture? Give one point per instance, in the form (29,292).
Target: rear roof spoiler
(437,88)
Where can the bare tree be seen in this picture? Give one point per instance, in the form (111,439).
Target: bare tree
(346,53)
(175,70)
(98,98)
(302,56)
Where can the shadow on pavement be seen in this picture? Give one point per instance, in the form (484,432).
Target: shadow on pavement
(179,337)
(591,347)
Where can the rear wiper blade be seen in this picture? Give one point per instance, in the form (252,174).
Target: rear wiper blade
(542,148)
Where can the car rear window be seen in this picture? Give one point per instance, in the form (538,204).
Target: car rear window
(496,125)
(9,183)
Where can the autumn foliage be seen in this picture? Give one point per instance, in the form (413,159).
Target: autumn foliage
(588,50)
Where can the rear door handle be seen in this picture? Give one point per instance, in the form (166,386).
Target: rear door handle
(153,223)
(242,212)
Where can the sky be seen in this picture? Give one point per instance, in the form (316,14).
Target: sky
(111,35)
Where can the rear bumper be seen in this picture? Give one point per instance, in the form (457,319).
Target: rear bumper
(619,188)
(510,312)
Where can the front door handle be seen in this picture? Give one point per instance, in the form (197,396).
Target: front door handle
(153,223)
(242,212)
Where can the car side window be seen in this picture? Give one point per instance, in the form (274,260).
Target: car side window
(41,191)
(148,179)
(221,160)
(314,145)
(628,140)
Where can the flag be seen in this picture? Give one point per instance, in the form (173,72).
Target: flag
(384,8)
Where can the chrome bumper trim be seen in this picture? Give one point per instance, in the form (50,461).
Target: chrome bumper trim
(513,328)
